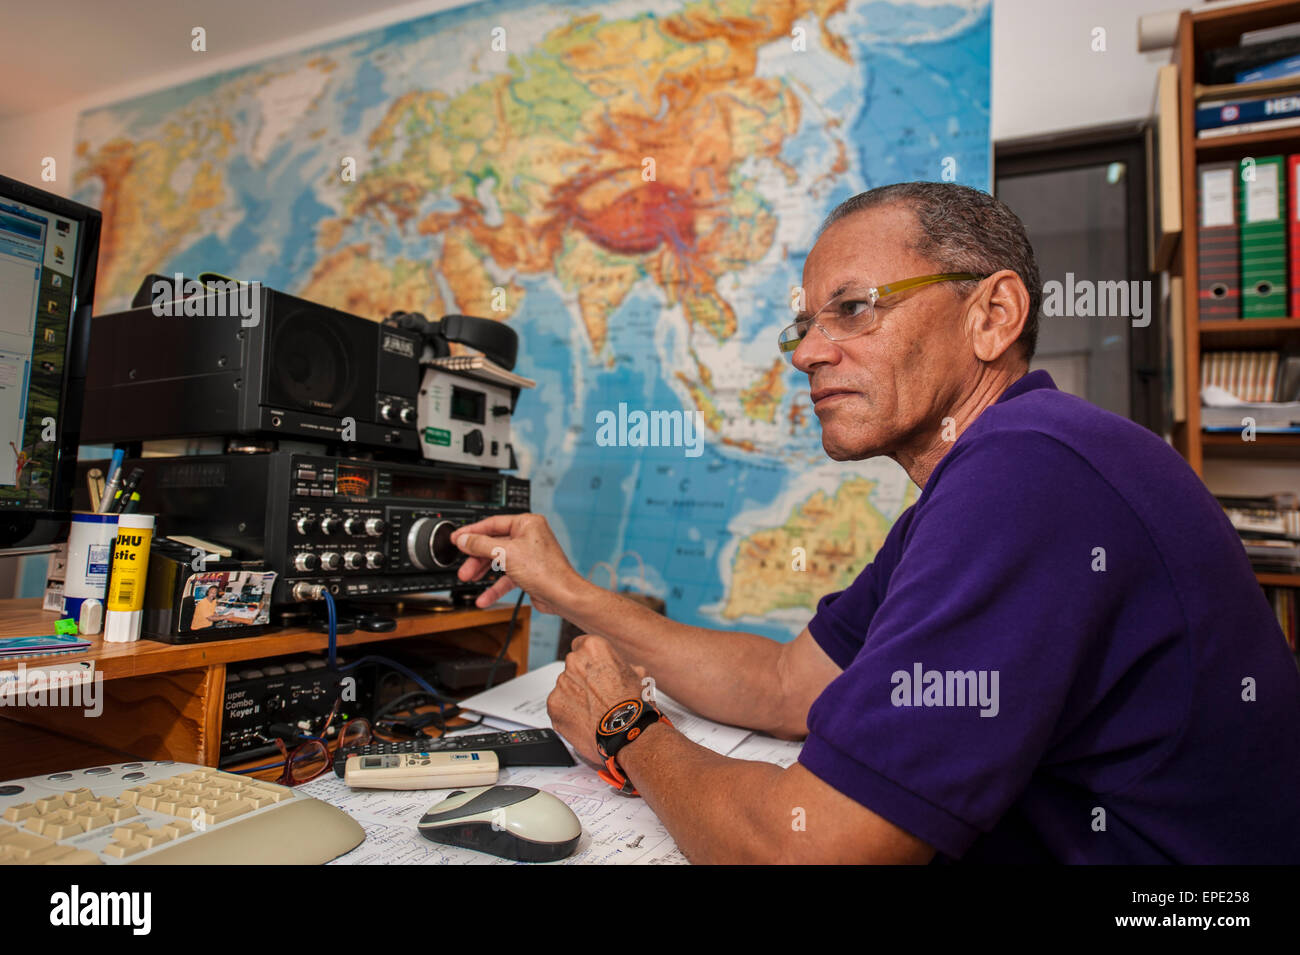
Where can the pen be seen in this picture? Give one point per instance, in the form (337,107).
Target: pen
(114,482)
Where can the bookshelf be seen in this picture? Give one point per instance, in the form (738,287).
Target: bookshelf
(1199,31)
(1205,29)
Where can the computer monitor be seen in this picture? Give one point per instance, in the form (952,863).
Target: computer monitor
(48,252)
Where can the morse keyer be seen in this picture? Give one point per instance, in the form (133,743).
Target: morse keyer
(465,401)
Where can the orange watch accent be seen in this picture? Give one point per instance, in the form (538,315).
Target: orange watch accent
(613,773)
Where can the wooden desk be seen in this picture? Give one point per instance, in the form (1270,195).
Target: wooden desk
(162,701)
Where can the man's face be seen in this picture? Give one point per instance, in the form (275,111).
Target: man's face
(887,388)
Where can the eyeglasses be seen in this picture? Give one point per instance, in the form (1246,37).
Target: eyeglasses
(312,757)
(853,311)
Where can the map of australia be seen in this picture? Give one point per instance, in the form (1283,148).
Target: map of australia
(634,187)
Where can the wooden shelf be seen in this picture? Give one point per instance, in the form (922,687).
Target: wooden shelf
(1244,144)
(161,701)
(147,657)
(1277,580)
(1249,333)
(1270,446)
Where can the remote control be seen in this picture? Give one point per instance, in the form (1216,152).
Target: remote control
(542,747)
(421,771)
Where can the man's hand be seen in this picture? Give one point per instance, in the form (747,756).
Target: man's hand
(595,678)
(523,547)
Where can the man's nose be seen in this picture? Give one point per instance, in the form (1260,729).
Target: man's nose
(814,349)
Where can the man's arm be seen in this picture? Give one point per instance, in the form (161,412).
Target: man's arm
(738,678)
(721,810)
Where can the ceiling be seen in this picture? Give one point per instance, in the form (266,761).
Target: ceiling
(89,46)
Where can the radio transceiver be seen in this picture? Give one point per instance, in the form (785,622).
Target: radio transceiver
(359,528)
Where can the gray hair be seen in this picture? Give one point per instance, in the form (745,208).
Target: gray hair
(962,230)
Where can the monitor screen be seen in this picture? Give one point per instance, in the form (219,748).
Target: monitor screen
(48,247)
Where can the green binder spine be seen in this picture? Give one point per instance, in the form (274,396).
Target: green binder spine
(1263,238)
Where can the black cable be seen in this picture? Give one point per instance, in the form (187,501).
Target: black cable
(399,703)
(510,635)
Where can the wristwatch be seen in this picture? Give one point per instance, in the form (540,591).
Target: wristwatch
(623,723)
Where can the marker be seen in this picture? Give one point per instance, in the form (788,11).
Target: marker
(128,488)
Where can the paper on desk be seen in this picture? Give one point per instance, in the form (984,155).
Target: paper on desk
(616,829)
(523,700)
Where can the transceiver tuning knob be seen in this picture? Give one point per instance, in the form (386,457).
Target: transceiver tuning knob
(429,546)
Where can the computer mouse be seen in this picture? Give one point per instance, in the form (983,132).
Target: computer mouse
(513,822)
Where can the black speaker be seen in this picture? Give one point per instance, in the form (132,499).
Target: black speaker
(198,366)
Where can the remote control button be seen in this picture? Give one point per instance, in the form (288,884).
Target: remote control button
(134,776)
(10,790)
(59,777)
(98,771)
(133,765)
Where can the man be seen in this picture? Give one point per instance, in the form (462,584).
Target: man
(1059,652)
(205,610)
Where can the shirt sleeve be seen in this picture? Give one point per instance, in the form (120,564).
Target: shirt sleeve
(941,718)
(840,624)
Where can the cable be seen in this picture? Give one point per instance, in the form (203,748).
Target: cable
(510,635)
(332,614)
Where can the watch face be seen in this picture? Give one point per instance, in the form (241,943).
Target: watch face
(620,717)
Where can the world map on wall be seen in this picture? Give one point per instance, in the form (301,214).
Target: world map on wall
(634,186)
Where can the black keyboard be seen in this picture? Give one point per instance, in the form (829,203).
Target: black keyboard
(516,748)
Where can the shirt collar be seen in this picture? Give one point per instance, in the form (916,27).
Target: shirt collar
(1030,382)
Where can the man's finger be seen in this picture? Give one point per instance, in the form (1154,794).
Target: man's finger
(473,568)
(478,545)
(498,525)
(499,589)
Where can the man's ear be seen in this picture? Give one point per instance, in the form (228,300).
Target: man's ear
(997,314)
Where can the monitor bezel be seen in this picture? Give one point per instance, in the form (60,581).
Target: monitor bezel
(37,528)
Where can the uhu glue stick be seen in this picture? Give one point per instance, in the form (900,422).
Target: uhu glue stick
(125,603)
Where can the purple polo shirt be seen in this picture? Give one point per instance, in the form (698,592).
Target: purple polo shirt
(1061,653)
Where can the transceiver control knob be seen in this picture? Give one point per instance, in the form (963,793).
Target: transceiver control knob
(374,559)
(353,560)
(328,525)
(330,560)
(305,524)
(407,415)
(474,442)
(387,411)
(306,562)
(429,546)
(375,526)
(354,526)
